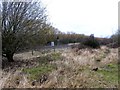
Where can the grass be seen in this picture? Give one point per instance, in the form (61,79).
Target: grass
(68,72)
(36,72)
(49,57)
(100,57)
(105,75)
(110,73)
(44,66)
(55,56)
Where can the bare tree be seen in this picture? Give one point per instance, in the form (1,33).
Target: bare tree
(20,21)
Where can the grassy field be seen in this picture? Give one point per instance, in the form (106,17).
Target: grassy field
(64,68)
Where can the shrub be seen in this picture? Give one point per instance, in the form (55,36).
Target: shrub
(91,43)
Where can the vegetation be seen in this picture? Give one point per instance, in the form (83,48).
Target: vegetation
(44,66)
(36,73)
(20,22)
(49,57)
(24,25)
(72,70)
(71,38)
(106,73)
(115,38)
(91,42)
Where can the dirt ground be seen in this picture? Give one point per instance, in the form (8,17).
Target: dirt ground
(76,69)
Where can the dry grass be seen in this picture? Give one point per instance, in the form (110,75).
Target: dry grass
(74,69)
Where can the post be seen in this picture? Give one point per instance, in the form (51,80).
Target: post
(32,52)
(52,44)
(57,41)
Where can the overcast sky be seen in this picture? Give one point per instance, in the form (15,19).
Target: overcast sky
(98,17)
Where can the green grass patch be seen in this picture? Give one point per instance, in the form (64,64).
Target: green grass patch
(44,66)
(36,72)
(110,73)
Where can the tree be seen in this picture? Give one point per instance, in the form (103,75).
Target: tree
(118,37)
(20,21)
(48,34)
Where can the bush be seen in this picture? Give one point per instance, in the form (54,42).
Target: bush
(113,45)
(91,43)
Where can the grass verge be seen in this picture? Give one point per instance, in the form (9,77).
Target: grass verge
(110,73)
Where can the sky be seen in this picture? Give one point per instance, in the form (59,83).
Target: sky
(98,17)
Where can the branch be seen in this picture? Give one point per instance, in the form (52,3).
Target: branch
(3,55)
